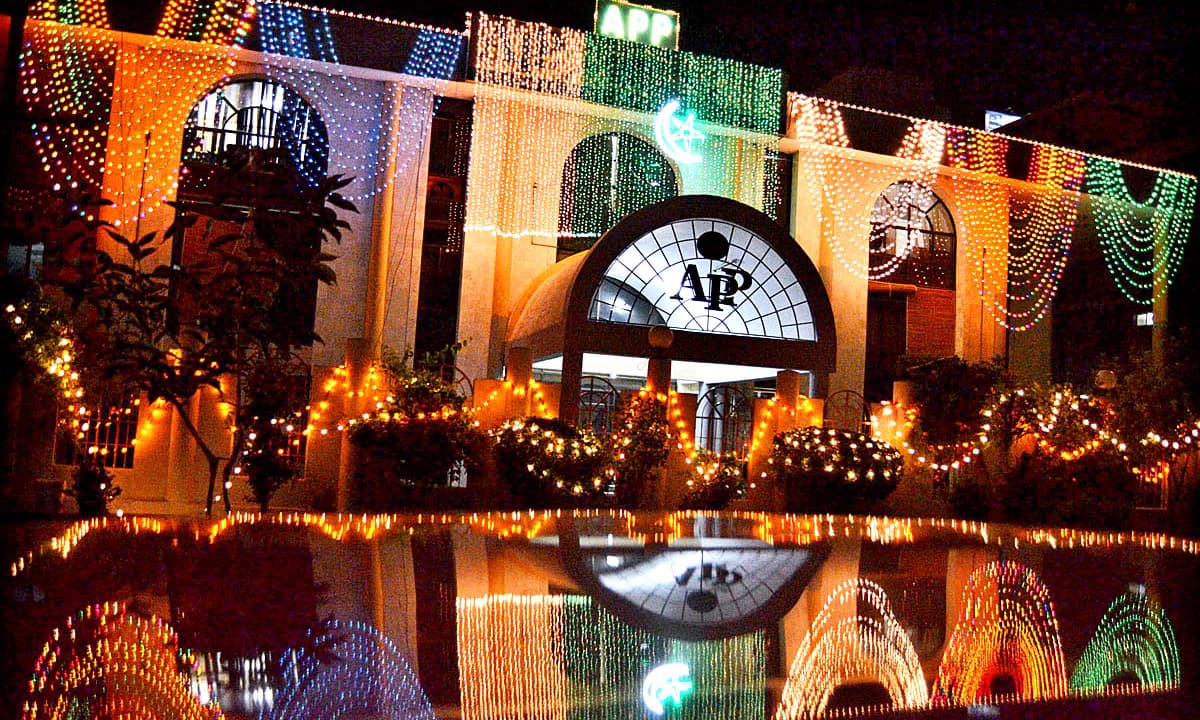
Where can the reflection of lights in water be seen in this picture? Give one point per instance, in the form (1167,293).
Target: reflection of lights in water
(1006,630)
(563,656)
(666,685)
(108,663)
(1133,640)
(843,646)
(368,677)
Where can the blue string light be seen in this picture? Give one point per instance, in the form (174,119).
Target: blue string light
(350,670)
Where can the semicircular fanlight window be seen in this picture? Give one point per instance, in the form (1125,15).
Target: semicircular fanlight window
(705,275)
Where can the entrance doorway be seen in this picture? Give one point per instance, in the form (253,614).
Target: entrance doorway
(887,330)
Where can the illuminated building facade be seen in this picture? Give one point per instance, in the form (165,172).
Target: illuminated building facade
(549,196)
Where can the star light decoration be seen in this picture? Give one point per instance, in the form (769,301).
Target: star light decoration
(678,138)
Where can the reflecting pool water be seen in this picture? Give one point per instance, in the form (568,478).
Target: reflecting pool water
(594,615)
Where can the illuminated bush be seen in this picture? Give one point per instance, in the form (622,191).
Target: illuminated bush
(640,443)
(400,456)
(551,463)
(720,479)
(826,470)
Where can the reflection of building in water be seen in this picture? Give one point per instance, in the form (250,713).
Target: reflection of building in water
(533,616)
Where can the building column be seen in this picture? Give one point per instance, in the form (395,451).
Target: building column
(358,364)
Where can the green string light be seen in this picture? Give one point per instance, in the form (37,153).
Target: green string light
(722,92)
(1134,638)
(1142,242)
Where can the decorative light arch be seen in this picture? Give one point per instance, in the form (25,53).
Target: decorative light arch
(108,662)
(1007,627)
(1134,637)
(843,646)
(370,678)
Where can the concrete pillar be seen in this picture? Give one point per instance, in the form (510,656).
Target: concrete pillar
(358,364)
(658,374)
(375,304)
(518,374)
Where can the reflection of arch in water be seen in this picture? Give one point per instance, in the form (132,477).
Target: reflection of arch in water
(1134,639)
(350,670)
(1006,629)
(108,663)
(843,647)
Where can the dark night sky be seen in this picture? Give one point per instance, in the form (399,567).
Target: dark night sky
(1023,54)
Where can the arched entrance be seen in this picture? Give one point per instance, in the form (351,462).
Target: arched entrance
(741,298)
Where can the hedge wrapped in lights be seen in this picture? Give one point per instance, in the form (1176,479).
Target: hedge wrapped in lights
(401,456)
(827,470)
(551,463)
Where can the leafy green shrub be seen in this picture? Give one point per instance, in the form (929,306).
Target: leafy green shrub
(94,488)
(1095,489)
(951,394)
(640,443)
(720,479)
(827,470)
(551,463)
(403,455)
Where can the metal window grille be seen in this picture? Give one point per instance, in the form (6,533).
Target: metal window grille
(724,421)
(109,432)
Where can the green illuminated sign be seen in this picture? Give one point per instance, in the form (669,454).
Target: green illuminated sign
(638,23)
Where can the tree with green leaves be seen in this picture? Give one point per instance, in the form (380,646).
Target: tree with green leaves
(235,320)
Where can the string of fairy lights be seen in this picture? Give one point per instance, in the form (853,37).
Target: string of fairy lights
(105,661)
(544,92)
(830,173)
(1017,241)
(103,116)
(292,34)
(1142,242)
(1134,641)
(844,645)
(575,657)
(1007,626)
(371,678)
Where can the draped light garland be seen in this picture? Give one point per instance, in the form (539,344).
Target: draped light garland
(843,646)
(1041,226)
(1006,627)
(370,677)
(830,172)
(362,112)
(109,112)
(542,90)
(65,78)
(107,662)
(1134,638)
(1142,242)
(537,656)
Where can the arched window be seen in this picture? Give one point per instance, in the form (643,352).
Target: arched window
(912,228)
(607,177)
(258,114)
(724,419)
